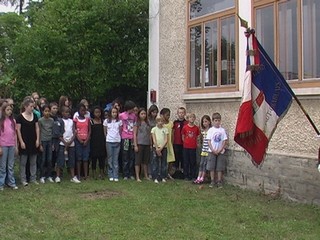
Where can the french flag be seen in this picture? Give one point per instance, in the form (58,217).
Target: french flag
(266,99)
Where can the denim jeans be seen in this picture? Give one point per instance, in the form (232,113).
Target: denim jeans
(46,160)
(33,167)
(6,166)
(159,163)
(113,149)
(127,157)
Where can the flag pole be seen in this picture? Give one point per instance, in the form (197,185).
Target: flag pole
(244,24)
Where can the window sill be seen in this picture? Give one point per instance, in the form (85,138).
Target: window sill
(235,96)
(212,97)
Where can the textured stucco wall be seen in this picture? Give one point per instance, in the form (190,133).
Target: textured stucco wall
(172,53)
(294,135)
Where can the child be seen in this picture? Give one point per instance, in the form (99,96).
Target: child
(160,138)
(87,113)
(46,126)
(190,133)
(178,124)
(112,128)
(152,115)
(66,148)
(56,133)
(8,147)
(142,142)
(97,143)
(83,132)
(217,139)
(165,113)
(128,119)
(29,140)
(205,125)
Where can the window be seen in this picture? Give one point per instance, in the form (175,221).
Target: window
(289,31)
(212,53)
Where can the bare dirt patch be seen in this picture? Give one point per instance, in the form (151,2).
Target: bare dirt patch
(104,194)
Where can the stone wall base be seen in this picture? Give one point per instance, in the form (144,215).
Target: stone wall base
(293,178)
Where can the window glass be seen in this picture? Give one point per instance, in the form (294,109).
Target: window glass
(311,39)
(195,56)
(228,51)
(265,29)
(200,8)
(288,40)
(211,53)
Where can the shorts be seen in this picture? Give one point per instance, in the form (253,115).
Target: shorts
(203,163)
(82,152)
(143,155)
(71,157)
(216,162)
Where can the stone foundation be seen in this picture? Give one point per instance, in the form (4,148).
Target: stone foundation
(293,178)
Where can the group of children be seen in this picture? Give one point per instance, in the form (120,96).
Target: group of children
(143,141)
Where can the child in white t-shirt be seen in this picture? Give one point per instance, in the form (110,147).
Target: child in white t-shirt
(217,137)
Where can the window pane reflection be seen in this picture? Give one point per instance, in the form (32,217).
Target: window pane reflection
(195,56)
(228,51)
(288,54)
(202,7)
(211,52)
(265,24)
(311,36)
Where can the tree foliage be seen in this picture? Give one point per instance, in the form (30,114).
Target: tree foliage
(82,48)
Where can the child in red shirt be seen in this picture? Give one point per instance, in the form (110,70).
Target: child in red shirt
(178,124)
(190,133)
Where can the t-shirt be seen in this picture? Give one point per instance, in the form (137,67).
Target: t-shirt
(177,128)
(143,134)
(8,135)
(46,126)
(205,144)
(190,136)
(113,130)
(68,131)
(128,121)
(82,127)
(216,136)
(161,135)
(28,134)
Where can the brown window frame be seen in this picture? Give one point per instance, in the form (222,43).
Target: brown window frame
(230,12)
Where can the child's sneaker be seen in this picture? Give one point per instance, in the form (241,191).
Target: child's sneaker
(75,180)
(50,179)
(24,184)
(156,181)
(14,188)
(57,180)
(42,180)
(116,179)
(219,184)
(211,185)
(164,180)
(111,179)
(125,178)
(35,182)
(196,181)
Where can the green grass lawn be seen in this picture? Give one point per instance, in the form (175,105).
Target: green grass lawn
(98,209)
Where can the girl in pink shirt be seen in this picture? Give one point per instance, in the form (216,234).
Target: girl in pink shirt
(83,132)
(8,147)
